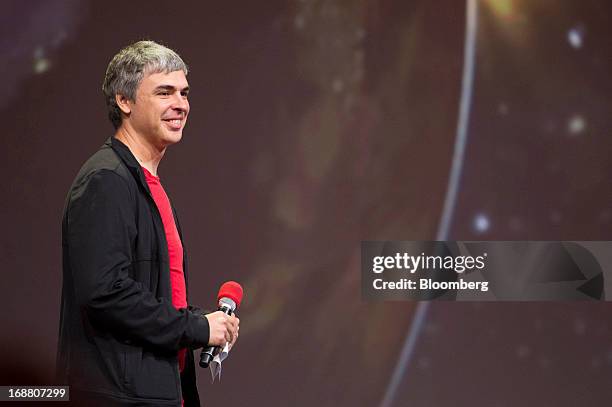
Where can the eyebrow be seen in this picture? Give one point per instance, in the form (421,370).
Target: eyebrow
(170,87)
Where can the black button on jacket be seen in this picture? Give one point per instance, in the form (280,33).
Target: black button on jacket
(119,332)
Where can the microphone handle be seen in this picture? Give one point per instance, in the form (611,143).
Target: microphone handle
(208,353)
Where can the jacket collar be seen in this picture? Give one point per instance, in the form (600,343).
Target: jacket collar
(134,167)
(129,160)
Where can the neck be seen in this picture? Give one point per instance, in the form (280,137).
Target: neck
(147,154)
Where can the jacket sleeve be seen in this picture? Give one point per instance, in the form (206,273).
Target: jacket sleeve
(101,230)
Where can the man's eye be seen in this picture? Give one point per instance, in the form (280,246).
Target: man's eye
(164,93)
(184,94)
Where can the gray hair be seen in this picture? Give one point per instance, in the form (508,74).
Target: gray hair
(126,70)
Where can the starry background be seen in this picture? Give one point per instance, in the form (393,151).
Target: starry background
(316,124)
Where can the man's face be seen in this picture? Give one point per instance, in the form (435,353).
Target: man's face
(161,108)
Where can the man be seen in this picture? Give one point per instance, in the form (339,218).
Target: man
(126,332)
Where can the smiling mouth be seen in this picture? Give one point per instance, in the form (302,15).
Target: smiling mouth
(174,124)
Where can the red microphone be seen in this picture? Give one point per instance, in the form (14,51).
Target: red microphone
(231,290)
(229,297)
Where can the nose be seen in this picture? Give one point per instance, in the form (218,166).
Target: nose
(180,103)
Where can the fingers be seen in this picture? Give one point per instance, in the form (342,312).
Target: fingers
(223,328)
(217,322)
(232,329)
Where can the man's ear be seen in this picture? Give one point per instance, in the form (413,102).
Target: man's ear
(124,103)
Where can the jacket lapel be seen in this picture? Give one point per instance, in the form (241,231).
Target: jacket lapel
(130,161)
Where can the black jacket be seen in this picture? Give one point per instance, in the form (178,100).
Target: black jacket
(119,332)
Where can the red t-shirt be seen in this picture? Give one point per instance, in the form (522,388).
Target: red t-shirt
(175,248)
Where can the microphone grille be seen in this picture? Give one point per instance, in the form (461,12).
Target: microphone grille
(228,302)
(231,290)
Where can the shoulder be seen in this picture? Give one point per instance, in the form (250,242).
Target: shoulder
(106,164)
(103,172)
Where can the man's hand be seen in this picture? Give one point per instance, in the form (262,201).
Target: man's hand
(223,328)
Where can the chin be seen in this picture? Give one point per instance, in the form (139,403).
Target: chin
(172,138)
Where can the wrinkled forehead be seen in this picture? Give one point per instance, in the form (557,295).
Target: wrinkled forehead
(176,79)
